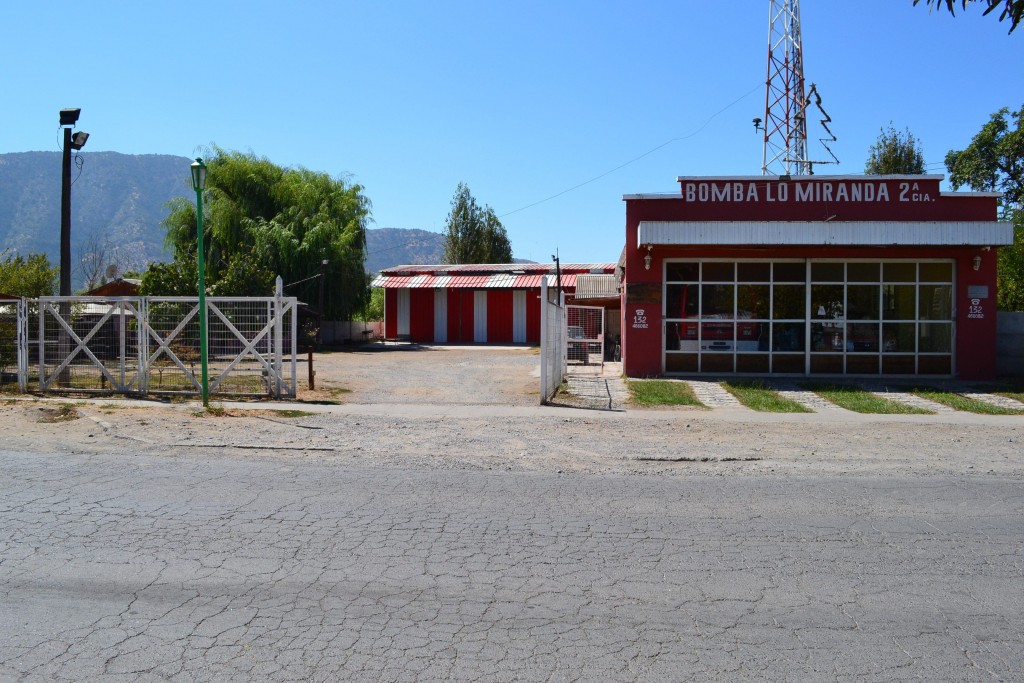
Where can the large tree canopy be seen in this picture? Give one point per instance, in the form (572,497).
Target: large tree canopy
(30,276)
(474,235)
(994,162)
(1012,10)
(262,220)
(895,153)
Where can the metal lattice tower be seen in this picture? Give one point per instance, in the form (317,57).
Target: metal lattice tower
(785,122)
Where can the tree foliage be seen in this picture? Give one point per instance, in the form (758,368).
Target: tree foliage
(261,220)
(30,276)
(895,153)
(1010,10)
(474,235)
(994,162)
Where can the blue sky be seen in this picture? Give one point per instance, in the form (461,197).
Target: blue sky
(521,101)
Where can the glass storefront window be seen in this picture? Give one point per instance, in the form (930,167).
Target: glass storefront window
(717,300)
(788,302)
(862,272)
(898,337)
(862,301)
(788,336)
(936,337)
(862,337)
(681,301)
(682,272)
(857,318)
(899,272)
(752,301)
(827,337)
(827,302)
(936,272)
(935,302)
(753,272)
(789,272)
(899,302)
(828,272)
(719,272)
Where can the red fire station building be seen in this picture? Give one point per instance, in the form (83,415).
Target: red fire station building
(472,303)
(811,276)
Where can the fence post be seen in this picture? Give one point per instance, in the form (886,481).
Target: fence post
(278,332)
(42,345)
(142,344)
(22,341)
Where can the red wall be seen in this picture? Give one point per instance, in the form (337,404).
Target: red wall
(390,313)
(499,316)
(460,315)
(975,336)
(421,315)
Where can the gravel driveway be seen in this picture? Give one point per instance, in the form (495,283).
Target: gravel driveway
(440,375)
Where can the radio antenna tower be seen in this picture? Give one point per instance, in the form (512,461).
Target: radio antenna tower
(785,121)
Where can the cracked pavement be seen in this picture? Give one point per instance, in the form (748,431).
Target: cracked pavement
(412,535)
(213,566)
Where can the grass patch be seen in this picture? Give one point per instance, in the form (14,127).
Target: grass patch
(861,401)
(761,397)
(659,392)
(960,402)
(292,413)
(65,412)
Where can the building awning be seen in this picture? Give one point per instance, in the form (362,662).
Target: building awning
(825,233)
(597,287)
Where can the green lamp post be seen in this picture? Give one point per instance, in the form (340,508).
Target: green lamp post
(199,184)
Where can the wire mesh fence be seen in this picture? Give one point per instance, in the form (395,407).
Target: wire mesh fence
(585,336)
(150,345)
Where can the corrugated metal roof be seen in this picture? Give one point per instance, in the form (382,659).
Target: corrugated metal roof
(596,286)
(821,233)
(496,268)
(476,281)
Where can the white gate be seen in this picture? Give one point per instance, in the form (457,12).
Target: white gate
(150,345)
(552,343)
(585,335)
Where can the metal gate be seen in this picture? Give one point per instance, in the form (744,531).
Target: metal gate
(585,335)
(150,345)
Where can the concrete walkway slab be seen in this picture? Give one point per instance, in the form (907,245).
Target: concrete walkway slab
(714,395)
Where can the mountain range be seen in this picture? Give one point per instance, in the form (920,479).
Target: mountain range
(121,199)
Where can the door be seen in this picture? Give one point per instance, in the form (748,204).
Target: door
(480,316)
(403,313)
(519,316)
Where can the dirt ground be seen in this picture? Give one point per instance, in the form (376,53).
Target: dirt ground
(481,413)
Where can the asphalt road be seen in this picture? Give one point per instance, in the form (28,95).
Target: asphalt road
(210,566)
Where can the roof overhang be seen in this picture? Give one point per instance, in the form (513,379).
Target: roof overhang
(825,233)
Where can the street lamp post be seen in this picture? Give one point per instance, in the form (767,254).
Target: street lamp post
(199,184)
(68,118)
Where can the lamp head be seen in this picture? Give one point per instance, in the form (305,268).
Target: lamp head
(198,175)
(68,117)
(78,140)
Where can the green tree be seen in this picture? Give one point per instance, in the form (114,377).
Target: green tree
(895,153)
(1012,10)
(282,221)
(474,235)
(180,277)
(30,276)
(994,162)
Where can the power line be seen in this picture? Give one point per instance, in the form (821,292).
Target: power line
(635,159)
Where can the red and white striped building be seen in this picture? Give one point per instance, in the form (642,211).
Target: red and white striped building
(496,303)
